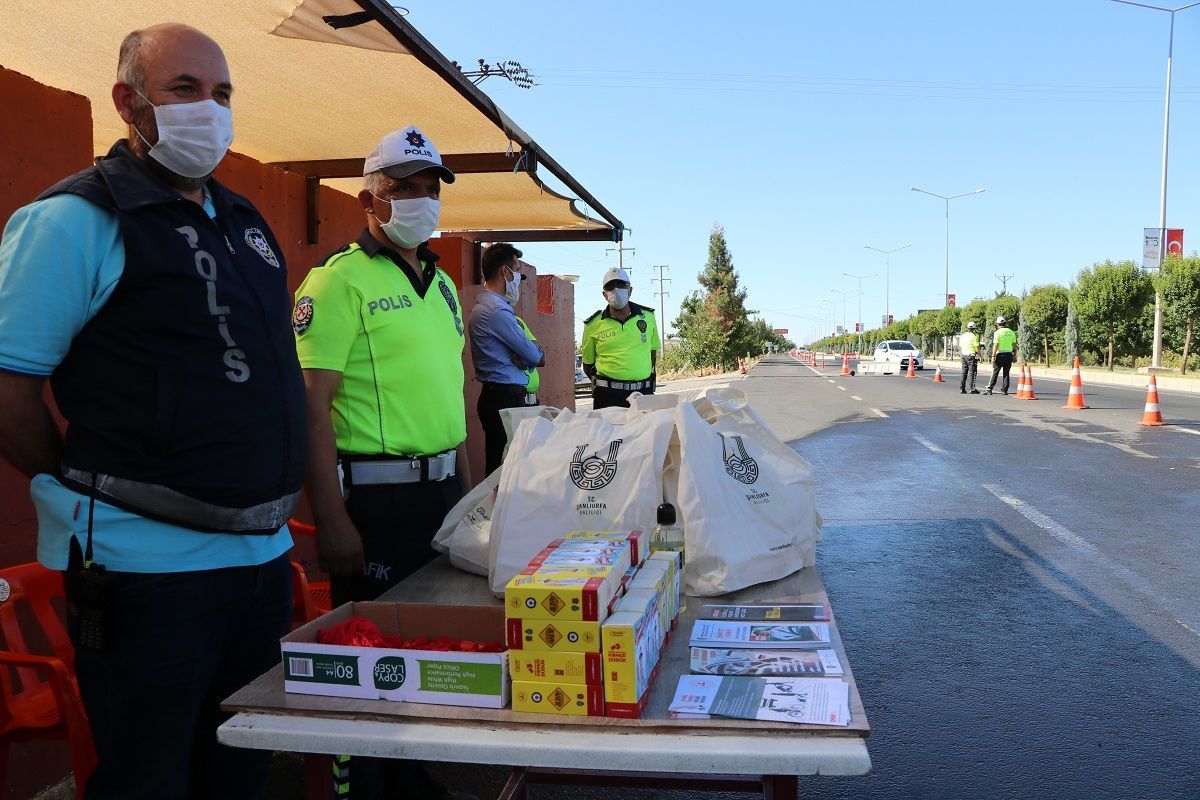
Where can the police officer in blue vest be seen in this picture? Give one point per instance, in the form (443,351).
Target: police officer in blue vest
(155,300)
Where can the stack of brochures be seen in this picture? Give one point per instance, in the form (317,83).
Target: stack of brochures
(771,662)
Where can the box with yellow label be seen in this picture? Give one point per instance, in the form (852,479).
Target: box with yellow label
(630,655)
(550,697)
(554,635)
(567,667)
(675,559)
(568,593)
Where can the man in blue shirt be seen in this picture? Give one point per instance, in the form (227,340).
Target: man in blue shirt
(155,300)
(500,349)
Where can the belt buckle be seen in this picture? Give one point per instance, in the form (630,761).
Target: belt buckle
(415,464)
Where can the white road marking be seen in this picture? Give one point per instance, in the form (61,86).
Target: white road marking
(843,388)
(1038,518)
(1186,430)
(856,397)
(932,447)
(831,380)
(879,413)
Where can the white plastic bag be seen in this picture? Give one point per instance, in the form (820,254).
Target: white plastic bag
(600,471)
(745,499)
(466,530)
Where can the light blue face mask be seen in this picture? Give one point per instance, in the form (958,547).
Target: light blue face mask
(617,298)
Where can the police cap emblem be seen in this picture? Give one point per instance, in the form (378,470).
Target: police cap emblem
(258,240)
(302,314)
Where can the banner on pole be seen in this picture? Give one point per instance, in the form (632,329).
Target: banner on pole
(1151,248)
(1174,242)
(781,330)
(950,300)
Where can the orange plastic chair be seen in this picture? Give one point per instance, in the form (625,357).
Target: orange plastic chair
(317,591)
(44,701)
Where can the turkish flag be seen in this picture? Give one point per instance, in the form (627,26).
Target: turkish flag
(1174,242)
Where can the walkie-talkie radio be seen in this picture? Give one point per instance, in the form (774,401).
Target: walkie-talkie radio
(92,593)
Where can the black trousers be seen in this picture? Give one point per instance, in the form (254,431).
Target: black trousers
(970,364)
(604,397)
(1003,362)
(492,398)
(396,523)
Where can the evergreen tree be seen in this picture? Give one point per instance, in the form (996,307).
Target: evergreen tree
(1072,342)
(715,324)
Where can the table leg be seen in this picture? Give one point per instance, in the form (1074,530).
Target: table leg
(780,787)
(517,785)
(318,777)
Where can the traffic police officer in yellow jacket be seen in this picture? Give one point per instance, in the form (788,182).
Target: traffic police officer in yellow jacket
(620,345)
(1004,351)
(380,336)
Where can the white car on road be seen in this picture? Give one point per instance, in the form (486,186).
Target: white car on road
(899,350)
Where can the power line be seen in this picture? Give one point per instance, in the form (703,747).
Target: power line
(1004,279)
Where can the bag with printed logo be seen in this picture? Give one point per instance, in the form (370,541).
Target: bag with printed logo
(602,470)
(745,499)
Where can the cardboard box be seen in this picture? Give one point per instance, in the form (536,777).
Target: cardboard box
(639,547)
(417,676)
(675,559)
(630,658)
(652,604)
(568,593)
(549,697)
(583,668)
(553,635)
(618,561)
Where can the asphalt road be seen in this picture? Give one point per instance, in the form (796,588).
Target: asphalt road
(1015,584)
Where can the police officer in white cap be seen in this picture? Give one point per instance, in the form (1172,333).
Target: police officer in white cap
(620,345)
(968,346)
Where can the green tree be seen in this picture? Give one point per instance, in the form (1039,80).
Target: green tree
(1072,340)
(1045,312)
(1111,296)
(715,325)
(1005,306)
(925,326)
(1179,283)
(947,325)
(1024,336)
(975,311)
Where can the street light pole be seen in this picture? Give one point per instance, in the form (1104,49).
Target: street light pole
(946,299)
(887,281)
(1156,352)
(859,324)
(843,294)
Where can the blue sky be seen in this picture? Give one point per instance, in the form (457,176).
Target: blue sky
(800,127)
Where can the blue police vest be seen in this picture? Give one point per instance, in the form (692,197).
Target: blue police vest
(187,377)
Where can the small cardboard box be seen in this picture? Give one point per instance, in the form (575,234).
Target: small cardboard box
(630,658)
(550,697)
(639,549)
(675,559)
(569,593)
(417,676)
(585,668)
(553,635)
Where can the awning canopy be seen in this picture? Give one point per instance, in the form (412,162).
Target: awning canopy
(317,83)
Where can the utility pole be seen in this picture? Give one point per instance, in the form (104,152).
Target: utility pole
(662,327)
(621,250)
(1004,279)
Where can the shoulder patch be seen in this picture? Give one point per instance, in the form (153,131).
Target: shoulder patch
(593,316)
(302,314)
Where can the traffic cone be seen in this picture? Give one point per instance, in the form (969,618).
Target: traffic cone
(1021,385)
(1075,396)
(845,364)
(1152,416)
(912,368)
(937,376)
(1029,395)
(742,366)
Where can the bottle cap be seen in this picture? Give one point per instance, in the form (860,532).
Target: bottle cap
(666,514)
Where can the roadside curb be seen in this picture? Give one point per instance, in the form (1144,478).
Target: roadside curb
(1094,377)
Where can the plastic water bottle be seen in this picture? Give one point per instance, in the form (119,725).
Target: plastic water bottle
(668,535)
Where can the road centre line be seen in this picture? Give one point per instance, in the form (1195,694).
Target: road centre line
(879,413)
(856,397)
(843,388)
(831,380)
(932,447)
(1185,430)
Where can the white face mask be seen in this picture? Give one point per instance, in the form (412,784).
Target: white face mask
(512,289)
(413,221)
(617,298)
(192,137)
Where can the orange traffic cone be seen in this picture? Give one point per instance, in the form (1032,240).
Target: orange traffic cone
(937,376)
(1029,395)
(1152,416)
(1075,396)
(1022,386)
(742,366)
(912,368)
(845,364)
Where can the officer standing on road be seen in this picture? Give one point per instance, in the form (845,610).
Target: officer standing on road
(500,349)
(968,346)
(620,345)
(1004,348)
(156,302)
(380,336)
